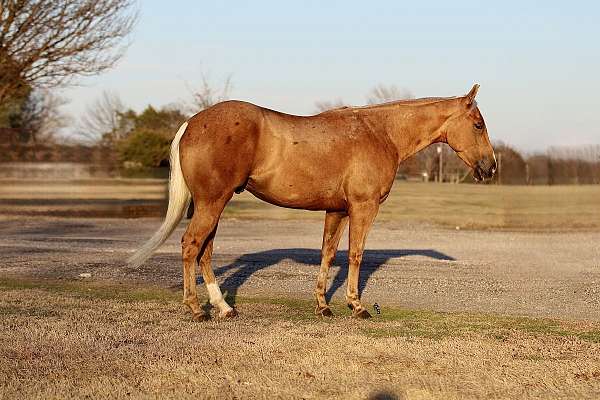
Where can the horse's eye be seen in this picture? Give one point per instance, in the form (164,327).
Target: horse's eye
(478,125)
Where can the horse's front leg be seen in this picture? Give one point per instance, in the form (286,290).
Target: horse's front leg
(335,222)
(362,215)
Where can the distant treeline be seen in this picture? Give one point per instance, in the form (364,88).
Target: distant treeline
(14,149)
(557,166)
(147,149)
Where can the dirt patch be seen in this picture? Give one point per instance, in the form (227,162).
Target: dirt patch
(416,266)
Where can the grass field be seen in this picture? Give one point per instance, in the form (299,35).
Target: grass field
(466,206)
(81,339)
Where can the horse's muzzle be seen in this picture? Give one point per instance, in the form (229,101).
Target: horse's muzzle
(485,169)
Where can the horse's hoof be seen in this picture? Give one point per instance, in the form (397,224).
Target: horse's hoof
(200,317)
(362,314)
(232,313)
(324,312)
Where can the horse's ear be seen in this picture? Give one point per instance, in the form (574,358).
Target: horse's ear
(470,97)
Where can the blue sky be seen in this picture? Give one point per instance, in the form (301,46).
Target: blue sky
(537,62)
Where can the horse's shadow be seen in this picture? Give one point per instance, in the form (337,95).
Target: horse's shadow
(242,268)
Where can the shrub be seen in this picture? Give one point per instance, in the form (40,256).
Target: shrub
(145,148)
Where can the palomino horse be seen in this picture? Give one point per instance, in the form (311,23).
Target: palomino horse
(341,161)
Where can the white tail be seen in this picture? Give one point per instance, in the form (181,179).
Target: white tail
(179,200)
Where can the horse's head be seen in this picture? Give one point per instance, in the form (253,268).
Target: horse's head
(466,133)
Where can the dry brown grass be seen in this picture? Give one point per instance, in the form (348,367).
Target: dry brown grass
(466,206)
(84,189)
(78,339)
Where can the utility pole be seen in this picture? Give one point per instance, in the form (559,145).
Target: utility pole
(440,172)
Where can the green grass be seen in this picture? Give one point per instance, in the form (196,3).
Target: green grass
(437,325)
(93,290)
(401,322)
(392,322)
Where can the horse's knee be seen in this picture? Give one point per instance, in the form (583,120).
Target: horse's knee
(355,257)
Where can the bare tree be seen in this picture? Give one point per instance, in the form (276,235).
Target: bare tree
(39,116)
(573,164)
(329,105)
(206,95)
(586,153)
(379,94)
(46,43)
(382,94)
(102,118)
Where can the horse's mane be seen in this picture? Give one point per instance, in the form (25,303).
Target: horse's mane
(408,102)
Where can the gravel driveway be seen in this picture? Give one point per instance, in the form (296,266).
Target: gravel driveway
(426,267)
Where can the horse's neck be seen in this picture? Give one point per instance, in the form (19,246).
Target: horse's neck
(411,128)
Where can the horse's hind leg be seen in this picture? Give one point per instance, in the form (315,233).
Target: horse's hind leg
(196,239)
(335,222)
(214,292)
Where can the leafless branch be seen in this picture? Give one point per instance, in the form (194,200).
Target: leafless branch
(102,118)
(39,116)
(328,105)
(48,43)
(207,95)
(382,94)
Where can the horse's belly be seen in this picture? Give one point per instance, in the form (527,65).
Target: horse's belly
(303,171)
(301,190)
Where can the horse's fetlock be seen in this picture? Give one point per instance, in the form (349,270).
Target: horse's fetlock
(320,288)
(190,300)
